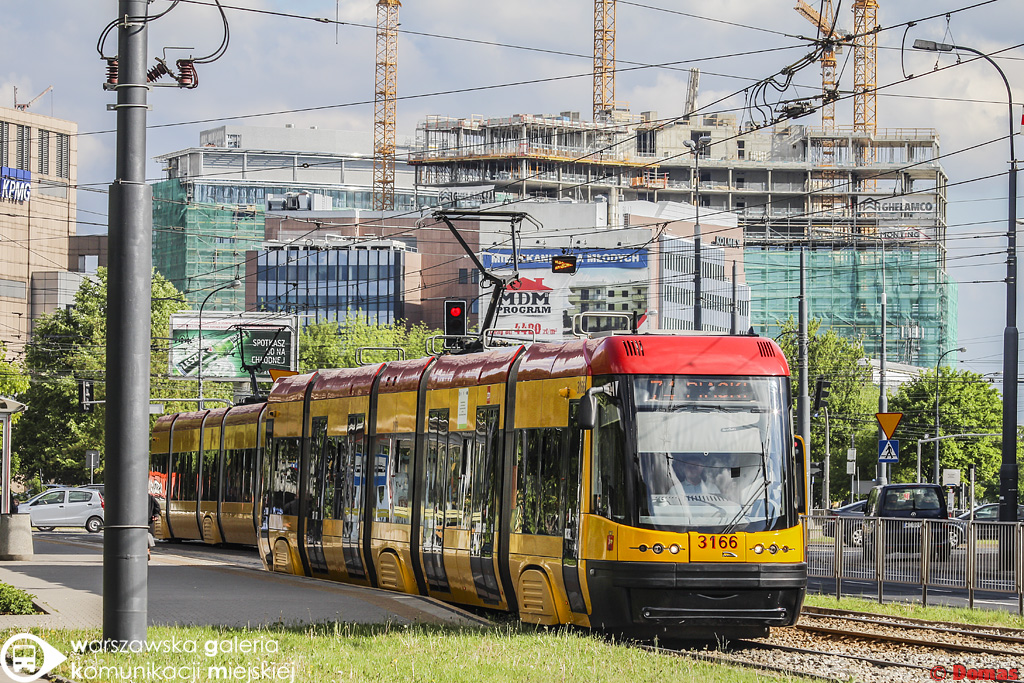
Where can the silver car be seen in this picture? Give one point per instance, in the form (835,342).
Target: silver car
(66,507)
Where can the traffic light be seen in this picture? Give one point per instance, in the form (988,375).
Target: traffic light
(85,395)
(821,391)
(563,264)
(455,318)
(817,469)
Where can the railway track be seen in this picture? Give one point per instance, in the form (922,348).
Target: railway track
(843,646)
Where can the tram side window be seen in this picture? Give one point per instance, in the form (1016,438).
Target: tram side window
(158,474)
(354,463)
(285,476)
(232,476)
(400,513)
(609,463)
(551,473)
(453,483)
(211,475)
(184,475)
(382,512)
(470,448)
(247,474)
(481,515)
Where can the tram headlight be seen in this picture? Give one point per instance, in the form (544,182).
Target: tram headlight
(658,549)
(758,549)
(674,549)
(773,548)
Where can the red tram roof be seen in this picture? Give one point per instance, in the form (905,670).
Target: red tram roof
(244,414)
(342,382)
(543,361)
(686,355)
(472,369)
(403,375)
(290,388)
(194,419)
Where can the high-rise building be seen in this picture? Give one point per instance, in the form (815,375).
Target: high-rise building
(38,175)
(211,208)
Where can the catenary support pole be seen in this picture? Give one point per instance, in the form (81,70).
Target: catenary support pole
(803,402)
(125,571)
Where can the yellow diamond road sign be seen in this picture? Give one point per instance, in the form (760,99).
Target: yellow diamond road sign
(888,422)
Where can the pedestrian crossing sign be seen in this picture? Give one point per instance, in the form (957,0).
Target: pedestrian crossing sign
(888,450)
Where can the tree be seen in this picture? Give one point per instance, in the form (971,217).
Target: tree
(13,382)
(69,346)
(967,405)
(335,345)
(839,361)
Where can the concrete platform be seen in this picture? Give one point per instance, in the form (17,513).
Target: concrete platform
(190,586)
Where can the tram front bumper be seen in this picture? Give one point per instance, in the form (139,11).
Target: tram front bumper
(685,599)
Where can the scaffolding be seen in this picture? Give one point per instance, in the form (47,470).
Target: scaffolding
(199,247)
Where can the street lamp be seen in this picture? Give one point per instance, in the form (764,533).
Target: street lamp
(235,283)
(938,476)
(697,148)
(1008,471)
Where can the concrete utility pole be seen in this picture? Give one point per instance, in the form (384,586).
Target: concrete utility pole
(125,571)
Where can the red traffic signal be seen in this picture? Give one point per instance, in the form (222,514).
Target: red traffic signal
(455,318)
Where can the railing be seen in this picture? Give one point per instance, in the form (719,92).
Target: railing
(929,553)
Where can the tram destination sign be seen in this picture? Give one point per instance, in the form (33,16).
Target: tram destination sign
(229,344)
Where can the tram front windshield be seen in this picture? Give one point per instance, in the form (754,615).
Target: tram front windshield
(711,452)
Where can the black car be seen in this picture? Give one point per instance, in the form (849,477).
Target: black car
(853,534)
(982,513)
(899,509)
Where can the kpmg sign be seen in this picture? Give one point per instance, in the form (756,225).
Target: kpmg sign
(15,185)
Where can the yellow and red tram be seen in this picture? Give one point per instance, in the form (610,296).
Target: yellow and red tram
(644,484)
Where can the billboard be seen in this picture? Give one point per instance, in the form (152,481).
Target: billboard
(230,343)
(544,302)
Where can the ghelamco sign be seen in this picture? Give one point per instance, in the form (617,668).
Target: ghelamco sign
(898,205)
(15,185)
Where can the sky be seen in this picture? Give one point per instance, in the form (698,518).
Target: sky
(464,57)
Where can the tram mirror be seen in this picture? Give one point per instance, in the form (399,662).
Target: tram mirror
(586,415)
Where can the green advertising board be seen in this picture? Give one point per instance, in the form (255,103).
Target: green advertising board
(225,353)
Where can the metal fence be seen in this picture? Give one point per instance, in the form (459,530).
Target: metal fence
(930,553)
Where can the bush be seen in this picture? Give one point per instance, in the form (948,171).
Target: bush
(15,601)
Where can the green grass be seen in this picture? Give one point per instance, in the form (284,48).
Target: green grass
(963,615)
(338,652)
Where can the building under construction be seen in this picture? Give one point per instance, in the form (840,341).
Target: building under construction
(849,196)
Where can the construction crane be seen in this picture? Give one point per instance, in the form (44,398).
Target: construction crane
(604,59)
(384,101)
(828,58)
(691,93)
(24,106)
(865,66)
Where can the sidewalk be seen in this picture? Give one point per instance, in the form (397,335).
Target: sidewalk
(186,588)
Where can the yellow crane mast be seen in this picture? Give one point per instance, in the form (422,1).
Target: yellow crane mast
(828,58)
(384,105)
(604,59)
(824,181)
(865,66)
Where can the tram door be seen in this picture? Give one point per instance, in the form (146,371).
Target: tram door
(317,485)
(434,501)
(570,495)
(483,510)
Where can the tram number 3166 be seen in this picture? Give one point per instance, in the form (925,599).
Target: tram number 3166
(717,542)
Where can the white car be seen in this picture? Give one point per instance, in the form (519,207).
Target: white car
(66,507)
